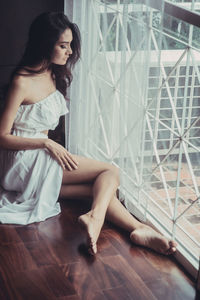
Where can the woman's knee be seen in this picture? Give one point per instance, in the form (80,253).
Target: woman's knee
(115,173)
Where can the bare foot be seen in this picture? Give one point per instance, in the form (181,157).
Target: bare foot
(148,237)
(92,227)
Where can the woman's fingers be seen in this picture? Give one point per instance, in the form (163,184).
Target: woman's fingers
(70,161)
(63,157)
(67,166)
(72,158)
(63,162)
(67,162)
(59,160)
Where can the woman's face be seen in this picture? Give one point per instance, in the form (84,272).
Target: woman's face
(62,49)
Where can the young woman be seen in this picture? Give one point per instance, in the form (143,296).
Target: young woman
(35,170)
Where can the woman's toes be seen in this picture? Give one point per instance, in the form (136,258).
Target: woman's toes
(92,228)
(92,249)
(148,237)
(92,246)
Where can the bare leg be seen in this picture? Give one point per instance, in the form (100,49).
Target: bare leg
(105,180)
(140,234)
(116,212)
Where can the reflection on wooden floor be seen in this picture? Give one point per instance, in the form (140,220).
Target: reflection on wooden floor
(47,261)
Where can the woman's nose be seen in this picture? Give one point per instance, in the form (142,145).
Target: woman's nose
(69,50)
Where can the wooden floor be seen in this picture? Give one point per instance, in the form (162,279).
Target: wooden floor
(47,260)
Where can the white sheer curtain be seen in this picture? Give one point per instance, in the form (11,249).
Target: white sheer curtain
(109,91)
(108,99)
(126,102)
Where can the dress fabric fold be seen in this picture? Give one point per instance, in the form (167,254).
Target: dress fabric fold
(30,180)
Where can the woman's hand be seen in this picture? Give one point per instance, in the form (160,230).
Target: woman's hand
(63,157)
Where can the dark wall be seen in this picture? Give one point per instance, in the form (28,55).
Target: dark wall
(15,19)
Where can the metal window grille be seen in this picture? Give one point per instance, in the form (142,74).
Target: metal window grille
(135,102)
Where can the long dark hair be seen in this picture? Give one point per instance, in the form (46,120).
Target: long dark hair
(44,32)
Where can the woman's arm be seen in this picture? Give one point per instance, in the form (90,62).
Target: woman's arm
(16,95)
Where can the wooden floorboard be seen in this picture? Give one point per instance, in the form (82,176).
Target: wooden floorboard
(48,260)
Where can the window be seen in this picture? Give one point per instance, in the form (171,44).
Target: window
(135,102)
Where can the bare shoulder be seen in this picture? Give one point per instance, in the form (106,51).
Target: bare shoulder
(18,89)
(20,83)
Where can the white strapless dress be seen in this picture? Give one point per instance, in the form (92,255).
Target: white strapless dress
(30,180)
